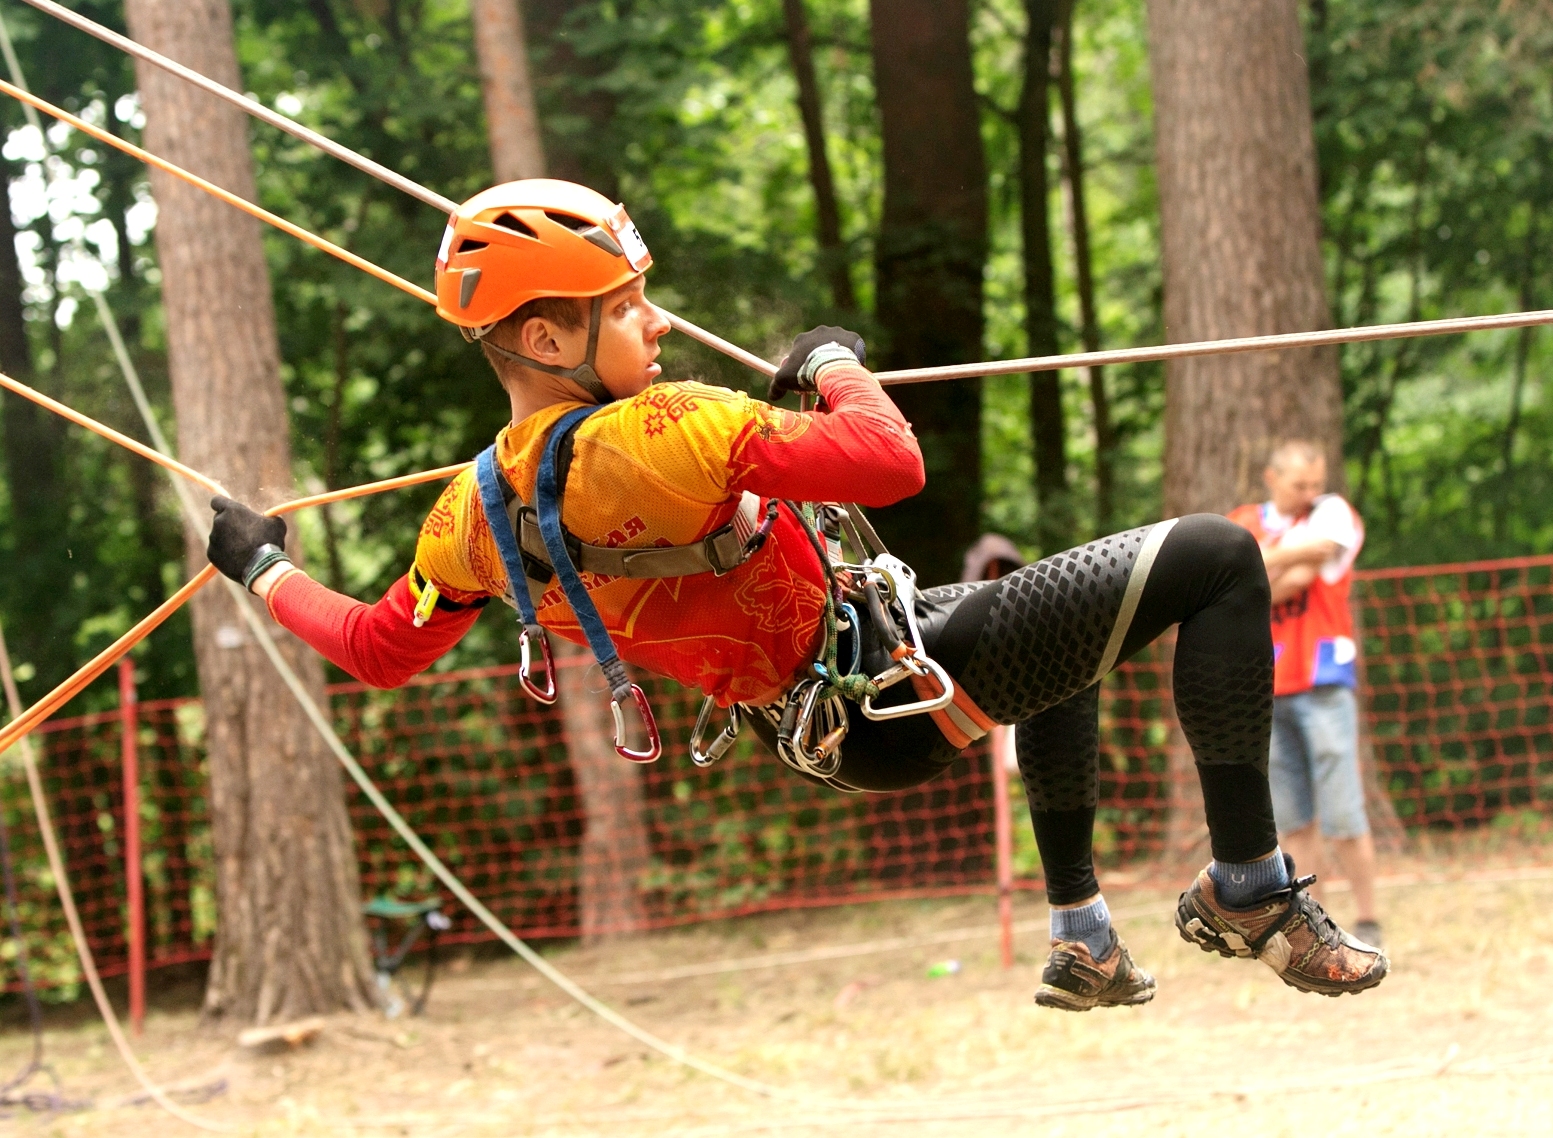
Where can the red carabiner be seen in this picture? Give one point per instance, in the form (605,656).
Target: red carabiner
(644,709)
(546,695)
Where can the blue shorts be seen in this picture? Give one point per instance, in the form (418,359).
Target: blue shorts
(1314,766)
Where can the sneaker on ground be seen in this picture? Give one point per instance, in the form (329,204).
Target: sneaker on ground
(1075,981)
(1288,931)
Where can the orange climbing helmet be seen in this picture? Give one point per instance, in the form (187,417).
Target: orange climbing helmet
(519,241)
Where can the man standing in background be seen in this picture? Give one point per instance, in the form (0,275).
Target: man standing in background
(1310,540)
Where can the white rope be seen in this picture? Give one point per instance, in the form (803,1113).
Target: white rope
(35,783)
(1281,342)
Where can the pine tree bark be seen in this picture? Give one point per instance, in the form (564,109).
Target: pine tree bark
(1241,232)
(833,250)
(511,120)
(931,249)
(1242,252)
(614,846)
(290,938)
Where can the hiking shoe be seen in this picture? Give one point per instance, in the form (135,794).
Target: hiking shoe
(1369,932)
(1288,931)
(1075,982)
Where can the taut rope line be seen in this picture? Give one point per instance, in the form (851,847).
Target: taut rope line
(105,659)
(1282,341)
(211,188)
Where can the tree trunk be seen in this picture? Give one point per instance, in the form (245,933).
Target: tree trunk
(34,441)
(511,122)
(931,250)
(614,846)
(290,940)
(833,250)
(1241,229)
(1084,276)
(1048,426)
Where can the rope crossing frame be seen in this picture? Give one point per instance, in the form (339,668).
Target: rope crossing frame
(23,723)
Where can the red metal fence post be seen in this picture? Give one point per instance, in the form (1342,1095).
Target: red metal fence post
(129,728)
(1003,835)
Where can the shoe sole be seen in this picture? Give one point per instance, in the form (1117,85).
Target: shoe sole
(1047,996)
(1205,938)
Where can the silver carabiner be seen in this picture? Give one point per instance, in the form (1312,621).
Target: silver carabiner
(724,738)
(919,707)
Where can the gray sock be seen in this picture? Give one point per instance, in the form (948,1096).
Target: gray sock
(1242,883)
(1090,923)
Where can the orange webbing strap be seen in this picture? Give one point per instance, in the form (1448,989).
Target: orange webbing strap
(962,722)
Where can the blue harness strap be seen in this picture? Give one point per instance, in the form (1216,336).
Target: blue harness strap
(547,506)
(500,525)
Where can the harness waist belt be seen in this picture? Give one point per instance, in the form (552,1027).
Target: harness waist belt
(718,552)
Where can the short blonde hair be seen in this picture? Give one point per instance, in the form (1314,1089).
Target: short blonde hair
(1295,450)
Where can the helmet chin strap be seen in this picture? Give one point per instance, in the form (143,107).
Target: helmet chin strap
(583,374)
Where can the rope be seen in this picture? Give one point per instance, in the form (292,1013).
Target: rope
(1359,335)
(104,660)
(72,917)
(214,190)
(1406,330)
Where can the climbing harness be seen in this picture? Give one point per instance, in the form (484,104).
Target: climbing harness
(536,548)
(811,720)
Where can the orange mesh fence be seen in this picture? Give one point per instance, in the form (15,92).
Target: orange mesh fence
(1456,667)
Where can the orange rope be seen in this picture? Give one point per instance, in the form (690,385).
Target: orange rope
(104,660)
(109,433)
(227,196)
(362,491)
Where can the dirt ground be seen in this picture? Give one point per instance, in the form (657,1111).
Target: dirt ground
(1457,1040)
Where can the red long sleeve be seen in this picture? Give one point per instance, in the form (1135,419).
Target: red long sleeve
(378,644)
(861,450)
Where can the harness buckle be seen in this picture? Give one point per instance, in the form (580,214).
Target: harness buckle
(643,709)
(721,742)
(547,694)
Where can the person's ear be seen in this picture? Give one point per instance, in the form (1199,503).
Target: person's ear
(536,340)
(1268,475)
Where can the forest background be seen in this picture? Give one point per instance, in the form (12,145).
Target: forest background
(1433,127)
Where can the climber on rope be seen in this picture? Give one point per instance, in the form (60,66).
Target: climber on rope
(690,531)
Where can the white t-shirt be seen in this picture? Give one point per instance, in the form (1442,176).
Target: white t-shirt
(1330,519)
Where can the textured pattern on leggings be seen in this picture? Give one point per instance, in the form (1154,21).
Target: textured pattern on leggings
(1048,627)
(1225,706)
(1058,754)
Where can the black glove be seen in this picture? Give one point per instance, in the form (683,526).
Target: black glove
(793,375)
(244,544)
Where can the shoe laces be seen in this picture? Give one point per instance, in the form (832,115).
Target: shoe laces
(1314,912)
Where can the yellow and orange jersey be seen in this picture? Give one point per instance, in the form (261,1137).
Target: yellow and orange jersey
(667,468)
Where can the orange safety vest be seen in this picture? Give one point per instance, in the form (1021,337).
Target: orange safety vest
(1313,633)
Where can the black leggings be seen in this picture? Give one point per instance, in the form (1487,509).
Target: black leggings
(1031,648)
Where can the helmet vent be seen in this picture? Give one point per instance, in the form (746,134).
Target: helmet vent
(515,223)
(471,246)
(575,224)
